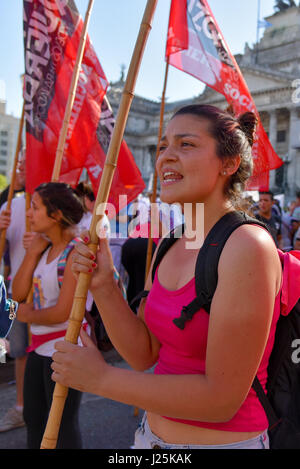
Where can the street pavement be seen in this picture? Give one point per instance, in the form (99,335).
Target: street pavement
(104,424)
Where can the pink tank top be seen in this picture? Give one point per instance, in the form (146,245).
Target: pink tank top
(184,351)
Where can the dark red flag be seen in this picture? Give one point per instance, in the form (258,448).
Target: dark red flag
(196,46)
(127,178)
(52,30)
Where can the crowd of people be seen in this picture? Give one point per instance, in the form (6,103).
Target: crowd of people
(204,158)
(283,222)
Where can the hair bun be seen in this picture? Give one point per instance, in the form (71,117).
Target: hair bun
(248,122)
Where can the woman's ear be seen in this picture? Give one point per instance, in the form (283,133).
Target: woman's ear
(231,165)
(57,215)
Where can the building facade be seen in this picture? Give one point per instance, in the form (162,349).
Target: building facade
(9,128)
(272,72)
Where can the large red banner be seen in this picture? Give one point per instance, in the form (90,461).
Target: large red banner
(52,30)
(196,46)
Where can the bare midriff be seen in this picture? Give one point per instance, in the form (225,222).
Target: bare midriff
(180,433)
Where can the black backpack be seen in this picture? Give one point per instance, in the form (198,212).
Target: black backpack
(282,401)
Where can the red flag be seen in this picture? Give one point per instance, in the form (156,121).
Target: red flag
(52,31)
(196,46)
(127,178)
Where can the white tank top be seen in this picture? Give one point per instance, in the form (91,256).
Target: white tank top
(45,295)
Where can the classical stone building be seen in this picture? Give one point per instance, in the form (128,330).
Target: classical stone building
(272,71)
(9,127)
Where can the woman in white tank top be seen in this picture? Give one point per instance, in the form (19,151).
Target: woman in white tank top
(55,211)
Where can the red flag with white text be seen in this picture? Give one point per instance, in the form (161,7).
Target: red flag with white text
(51,39)
(52,31)
(196,46)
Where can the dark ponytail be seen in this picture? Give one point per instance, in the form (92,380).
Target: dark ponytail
(248,123)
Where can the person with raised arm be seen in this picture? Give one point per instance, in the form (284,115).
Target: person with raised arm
(200,394)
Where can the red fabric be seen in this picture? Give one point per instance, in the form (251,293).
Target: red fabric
(40,339)
(127,178)
(146,230)
(51,40)
(37,340)
(206,56)
(291,280)
(178,37)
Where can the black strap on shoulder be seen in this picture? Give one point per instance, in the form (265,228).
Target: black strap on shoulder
(206,271)
(165,245)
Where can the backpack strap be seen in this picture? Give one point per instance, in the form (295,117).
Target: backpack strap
(62,261)
(206,270)
(164,246)
(273,420)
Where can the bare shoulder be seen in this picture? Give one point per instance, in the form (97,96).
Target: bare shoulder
(252,246)
(252,239)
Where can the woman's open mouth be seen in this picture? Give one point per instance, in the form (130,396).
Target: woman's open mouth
(171,177)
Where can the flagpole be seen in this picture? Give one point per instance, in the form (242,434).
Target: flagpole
(13,179)
(29,298)
(78,307)
(71,97)
(257,30)
(154,187)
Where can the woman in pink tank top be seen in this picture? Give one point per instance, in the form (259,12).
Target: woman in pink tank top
(199,395)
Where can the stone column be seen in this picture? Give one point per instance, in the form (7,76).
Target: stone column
(273,140)
(273,127)
(294,140)
(293,170)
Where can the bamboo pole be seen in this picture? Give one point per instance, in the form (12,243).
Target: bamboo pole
(13,180)
(28,229)
(154,189)
(78,307)
(71,97)
(27,207)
